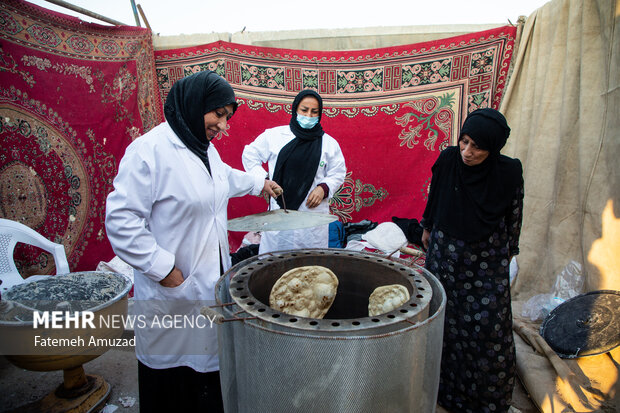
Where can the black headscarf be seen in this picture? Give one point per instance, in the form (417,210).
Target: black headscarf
(468,202)
(189,100)
(299,159)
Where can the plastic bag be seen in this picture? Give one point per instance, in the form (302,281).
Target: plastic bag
(537,307)
(568,284)
(387,237)
(513,269)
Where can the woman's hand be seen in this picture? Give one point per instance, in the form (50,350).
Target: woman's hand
(425,237)
(173,279)
(315,197)
(273,189)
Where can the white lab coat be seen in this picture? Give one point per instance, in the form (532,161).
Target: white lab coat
(166,210)
(331,171)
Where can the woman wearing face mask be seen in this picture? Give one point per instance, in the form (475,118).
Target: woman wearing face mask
(167,218)
(306,162)
(472,224)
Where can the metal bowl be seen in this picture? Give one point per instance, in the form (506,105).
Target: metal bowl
(21,342)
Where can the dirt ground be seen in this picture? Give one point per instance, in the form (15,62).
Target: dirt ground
(119,368)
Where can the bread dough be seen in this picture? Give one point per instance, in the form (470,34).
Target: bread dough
(304,291)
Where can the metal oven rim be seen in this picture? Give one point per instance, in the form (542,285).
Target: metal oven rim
(241,300)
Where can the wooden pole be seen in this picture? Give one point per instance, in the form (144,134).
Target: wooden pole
(146,22)
(539,344)
(135,13)
(86,12)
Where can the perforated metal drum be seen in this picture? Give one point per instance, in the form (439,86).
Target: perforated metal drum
(346,362)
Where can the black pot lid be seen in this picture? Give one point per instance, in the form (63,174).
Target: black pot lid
(585,325)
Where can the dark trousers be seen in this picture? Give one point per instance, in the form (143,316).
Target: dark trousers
(178,389)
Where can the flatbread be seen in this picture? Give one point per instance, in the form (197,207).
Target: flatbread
(387,298)
(304,291)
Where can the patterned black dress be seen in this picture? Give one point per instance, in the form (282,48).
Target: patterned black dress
(478,361)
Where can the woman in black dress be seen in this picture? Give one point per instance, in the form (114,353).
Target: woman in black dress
(472,223)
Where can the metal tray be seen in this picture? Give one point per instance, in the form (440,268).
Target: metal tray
(585,325)
(279,220)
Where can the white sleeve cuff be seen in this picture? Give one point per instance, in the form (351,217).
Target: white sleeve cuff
(259,184)
(162,264)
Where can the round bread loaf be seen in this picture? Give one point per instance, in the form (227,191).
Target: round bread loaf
(304,291)
(387,298)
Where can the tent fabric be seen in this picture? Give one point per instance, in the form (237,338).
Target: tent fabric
(562,104)
(391,109)
(328,39)
(72,96)
(587,384)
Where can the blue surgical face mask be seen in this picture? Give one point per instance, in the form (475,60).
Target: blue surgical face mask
(307,122)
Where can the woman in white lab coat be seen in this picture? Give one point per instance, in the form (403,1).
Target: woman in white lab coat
(167,218)
(307,163)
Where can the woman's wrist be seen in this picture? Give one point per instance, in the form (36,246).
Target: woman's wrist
(325,189)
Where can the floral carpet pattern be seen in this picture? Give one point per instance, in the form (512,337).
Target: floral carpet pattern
(392,110)
(73,95)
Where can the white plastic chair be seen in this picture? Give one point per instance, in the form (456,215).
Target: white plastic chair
(11,233)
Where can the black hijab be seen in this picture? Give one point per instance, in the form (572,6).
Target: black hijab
(298,160)
(468,202)
(189,100)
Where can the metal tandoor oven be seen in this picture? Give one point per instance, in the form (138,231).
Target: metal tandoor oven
(346,362)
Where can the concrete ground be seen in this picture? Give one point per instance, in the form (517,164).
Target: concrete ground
(119,368)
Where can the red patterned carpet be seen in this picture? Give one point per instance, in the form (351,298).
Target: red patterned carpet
(392,109)
(72,96)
